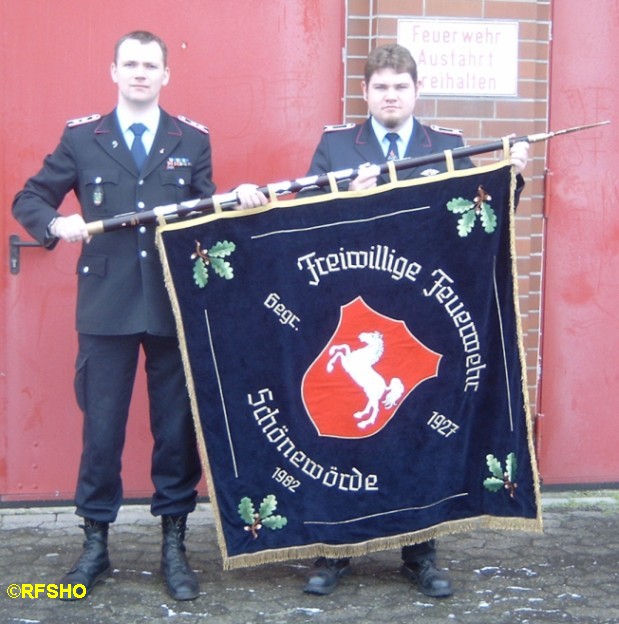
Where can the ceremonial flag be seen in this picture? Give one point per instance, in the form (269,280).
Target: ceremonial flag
(355,366)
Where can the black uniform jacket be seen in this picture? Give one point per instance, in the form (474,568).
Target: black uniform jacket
(353,146)
(120,279)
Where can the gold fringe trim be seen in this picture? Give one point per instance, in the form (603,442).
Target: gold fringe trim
(519,332)
(312,551)
(201,440)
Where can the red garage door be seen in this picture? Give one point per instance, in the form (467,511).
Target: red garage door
(264,76)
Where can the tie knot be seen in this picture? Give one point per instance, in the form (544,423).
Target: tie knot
(138,129)
(392,136)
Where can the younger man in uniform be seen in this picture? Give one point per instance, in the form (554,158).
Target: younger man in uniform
(390,132)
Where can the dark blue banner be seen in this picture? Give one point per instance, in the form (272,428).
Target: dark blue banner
(356,368)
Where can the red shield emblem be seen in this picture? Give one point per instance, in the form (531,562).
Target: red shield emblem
(364,374)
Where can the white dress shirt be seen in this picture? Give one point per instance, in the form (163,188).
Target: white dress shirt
(151,121)
(404,134)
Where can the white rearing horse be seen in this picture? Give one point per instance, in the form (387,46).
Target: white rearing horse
(358,364)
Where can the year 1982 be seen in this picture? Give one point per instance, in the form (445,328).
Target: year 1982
(286,479)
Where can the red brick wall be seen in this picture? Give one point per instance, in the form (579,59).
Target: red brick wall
(374,22)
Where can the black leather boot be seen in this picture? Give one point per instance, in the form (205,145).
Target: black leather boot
(324,576)
(181,581)
(93,565)
(431,580)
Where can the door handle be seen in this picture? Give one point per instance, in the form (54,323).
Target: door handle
(15,243)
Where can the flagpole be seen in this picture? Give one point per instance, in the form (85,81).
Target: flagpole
(231,200)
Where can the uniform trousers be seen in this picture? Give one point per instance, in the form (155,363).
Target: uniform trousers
(419,552)
(105,375)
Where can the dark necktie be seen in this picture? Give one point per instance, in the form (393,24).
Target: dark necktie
(137,147)
(392,150)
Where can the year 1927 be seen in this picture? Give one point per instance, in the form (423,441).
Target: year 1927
(441,424)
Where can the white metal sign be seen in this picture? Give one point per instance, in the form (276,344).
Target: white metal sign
(463,57)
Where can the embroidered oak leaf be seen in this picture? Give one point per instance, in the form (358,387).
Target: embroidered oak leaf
(470,210)
(213,258)
(246,510)
(502,479)
(264,517)
(200,273)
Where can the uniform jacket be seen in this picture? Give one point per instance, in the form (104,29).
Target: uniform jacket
(120,279)
(355,145)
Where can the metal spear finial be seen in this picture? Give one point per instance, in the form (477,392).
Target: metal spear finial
(533,138)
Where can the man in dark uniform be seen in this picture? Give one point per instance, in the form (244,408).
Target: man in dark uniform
(390,132)
(135,158)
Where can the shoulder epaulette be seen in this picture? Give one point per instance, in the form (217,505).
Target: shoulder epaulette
(336,127)
(83,120)
(453,131)
(193,124)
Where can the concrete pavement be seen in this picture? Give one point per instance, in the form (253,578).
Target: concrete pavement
(570,573)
